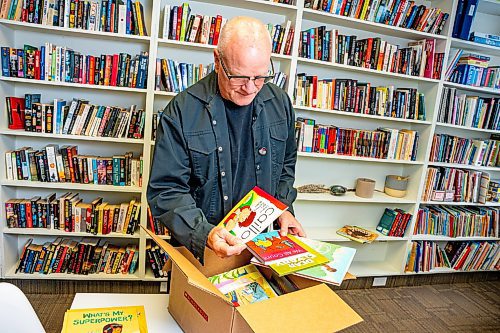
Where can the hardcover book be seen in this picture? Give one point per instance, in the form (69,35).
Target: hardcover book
(284,254)
(130,319)
(357,234)
(253,214)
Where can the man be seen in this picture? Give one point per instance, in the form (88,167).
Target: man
(221,137)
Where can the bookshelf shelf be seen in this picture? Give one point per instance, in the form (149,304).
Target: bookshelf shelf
(330,235)
(365,70)
(71,137)
(487,204)
(446,270)
(473,46)
(72,186)
(366,116)
(373,27)
(465,166)
(257,5)
(150,277)
(356,158)
(421,237)
(63,276)
(60,233)
(165,93)
(373,268)
(73,31)
(378,198)
(72,85)
(483,90)
(468,128)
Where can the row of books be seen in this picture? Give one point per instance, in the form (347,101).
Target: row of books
(64,164)
(398,13)
(451,221)
(425,256)
(455,185)
(470,111)
(179,24)
(71,214)
(77,117)
(473,70)
(62,64)
(394,222)
(281,37)
(118,16)
(82,257)
(453,149)
(175,77)
(156,258)
(156,226)
(359,97)
(383,143)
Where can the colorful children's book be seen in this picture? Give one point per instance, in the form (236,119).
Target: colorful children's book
(357,234)
(130,319)
(284,254)
(335,270)
(243,285)
(253,214)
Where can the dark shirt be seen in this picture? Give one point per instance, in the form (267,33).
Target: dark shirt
(239,123)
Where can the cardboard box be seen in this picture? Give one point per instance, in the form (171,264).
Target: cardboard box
(198,306)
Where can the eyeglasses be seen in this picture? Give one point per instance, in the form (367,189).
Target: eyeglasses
(241,80)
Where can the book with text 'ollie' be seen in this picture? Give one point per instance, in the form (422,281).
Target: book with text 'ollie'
(284,254)
(253,214)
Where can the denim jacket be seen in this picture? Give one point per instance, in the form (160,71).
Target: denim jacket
(189,188)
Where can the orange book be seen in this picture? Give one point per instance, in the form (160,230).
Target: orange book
(218,22)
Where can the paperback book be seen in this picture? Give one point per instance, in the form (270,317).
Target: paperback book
(357,234)
(284,254)
(253,214)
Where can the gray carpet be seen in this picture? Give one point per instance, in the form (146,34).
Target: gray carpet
(467,307)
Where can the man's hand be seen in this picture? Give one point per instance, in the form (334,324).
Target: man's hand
(223,243)
(289,225)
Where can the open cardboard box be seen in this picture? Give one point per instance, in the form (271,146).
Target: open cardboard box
(198,306)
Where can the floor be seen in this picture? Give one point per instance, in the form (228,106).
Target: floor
(461,307)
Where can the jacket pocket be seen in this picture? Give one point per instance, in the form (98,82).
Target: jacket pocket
(203,156)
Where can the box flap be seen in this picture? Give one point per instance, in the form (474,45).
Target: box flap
(194,276)
(316,309)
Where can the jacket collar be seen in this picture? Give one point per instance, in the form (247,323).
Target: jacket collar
(206,89)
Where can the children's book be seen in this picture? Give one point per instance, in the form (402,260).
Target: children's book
(357,234)
(130,319)
(284,254)
(335,270)
(253,214)
(243,285)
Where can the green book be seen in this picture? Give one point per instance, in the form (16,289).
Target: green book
(386,221)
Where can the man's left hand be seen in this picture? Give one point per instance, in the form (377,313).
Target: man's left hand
(289,225)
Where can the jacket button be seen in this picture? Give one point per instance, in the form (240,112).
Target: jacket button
(226,197)
(263,151)
(254,118)
(214,122)
(223,173)
(258,167)
(220,148)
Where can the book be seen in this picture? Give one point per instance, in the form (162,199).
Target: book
(357,234)
(252,214)
(243,285)
(284,254)
(334,271)
(130,319)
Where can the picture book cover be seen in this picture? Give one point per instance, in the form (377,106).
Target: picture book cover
(284,254)
(243,285)
(124,319)
(335,270)
(253,214)
(357,234)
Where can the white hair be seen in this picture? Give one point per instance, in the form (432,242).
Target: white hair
(249,29)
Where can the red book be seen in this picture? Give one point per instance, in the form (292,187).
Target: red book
(179,23)
(61,261)
(15,112)
(37,64)
(114,69)
(29,216)
(218,23)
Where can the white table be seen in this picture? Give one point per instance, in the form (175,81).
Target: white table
(158,318)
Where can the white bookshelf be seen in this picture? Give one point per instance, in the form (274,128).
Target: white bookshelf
(321,214)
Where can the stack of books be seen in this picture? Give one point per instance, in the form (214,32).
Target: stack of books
(473,69)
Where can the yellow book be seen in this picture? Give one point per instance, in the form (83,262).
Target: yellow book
(129,215)
(365,9)
(100,216)
(123,319)
(137,5)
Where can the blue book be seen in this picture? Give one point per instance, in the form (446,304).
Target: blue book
(5,61)
(468,17)
(458,18)
(42,62)
(486,41)
(172,74)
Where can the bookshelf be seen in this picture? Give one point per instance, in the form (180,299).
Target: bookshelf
(321,214)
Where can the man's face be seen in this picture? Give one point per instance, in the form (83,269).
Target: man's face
(246,61)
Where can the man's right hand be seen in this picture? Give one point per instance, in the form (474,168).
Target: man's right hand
(223,243)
